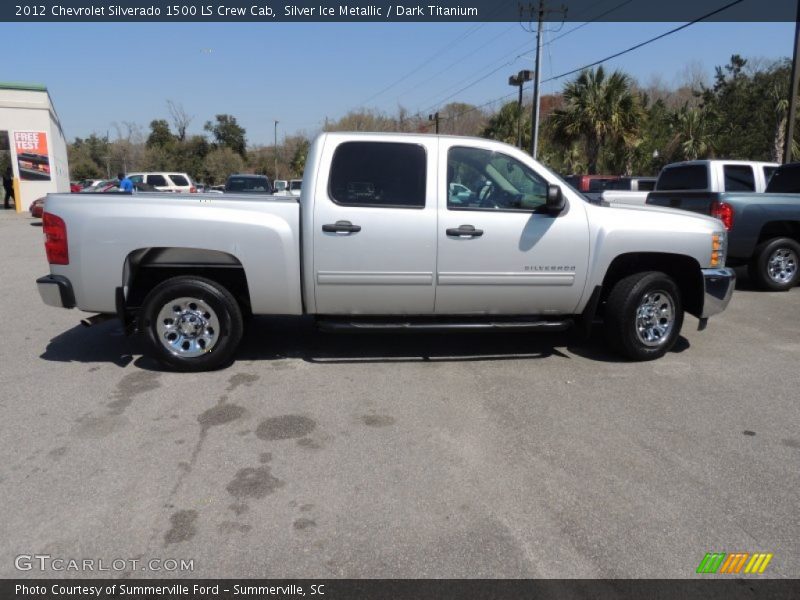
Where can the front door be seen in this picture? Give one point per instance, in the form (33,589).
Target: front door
(499,250)
(375,227)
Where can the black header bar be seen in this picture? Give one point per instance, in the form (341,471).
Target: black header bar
(326,11)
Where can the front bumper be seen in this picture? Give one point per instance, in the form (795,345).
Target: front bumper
(718,285)
(56,290)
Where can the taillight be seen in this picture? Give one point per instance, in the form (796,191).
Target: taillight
(55,239)
(192,190)
(724,212)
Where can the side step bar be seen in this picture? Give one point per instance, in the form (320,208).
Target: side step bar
(343,325)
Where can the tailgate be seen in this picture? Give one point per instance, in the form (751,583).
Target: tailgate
(697,202)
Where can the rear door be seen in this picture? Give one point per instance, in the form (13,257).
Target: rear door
(374,226)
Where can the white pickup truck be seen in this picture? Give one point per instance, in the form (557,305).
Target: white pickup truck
(700,176)
(381,238)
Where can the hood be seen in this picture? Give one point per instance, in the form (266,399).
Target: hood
(649,208)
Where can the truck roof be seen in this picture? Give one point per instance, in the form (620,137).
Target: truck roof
(710,161)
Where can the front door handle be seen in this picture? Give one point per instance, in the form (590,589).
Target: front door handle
(465,231)
(341,227)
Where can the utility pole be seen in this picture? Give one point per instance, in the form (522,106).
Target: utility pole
(787,149)
(435,118)
(276,150)
(519,80)
(541,12)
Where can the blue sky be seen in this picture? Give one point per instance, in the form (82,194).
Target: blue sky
(297,73)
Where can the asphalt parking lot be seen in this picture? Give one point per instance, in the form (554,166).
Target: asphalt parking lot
(466,455)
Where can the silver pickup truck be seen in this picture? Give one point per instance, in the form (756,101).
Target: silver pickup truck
(392,231)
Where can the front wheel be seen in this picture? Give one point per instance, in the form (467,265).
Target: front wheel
(191,324)
(644,315)
(775,265)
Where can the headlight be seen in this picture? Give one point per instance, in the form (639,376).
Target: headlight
(719,249)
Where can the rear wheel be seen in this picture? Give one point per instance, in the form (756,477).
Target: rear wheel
(644,315)
(775,265)
(191,324)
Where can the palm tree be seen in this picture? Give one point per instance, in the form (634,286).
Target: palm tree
(694,134)
(601,112)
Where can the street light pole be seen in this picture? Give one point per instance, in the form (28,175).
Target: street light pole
(519,80)
(276,149)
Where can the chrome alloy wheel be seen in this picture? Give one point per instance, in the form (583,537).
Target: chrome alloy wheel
(187,327)
(782,265)
(655,318)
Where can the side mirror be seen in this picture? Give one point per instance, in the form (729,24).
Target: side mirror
(555,199)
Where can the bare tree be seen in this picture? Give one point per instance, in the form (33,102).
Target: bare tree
(180,119)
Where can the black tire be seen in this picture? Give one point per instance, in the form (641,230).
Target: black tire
(759,267)
(621,315)
(212,299)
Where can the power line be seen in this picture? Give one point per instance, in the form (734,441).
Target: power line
(631,49)
(455,62)
(517,57)
(441,51)
(422,65)
(645,43)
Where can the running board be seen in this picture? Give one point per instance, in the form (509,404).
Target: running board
(340,325)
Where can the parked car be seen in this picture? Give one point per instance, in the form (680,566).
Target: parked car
(101,185)
(716,176)
(75,187)
(785,180)
(763,229)
(248,184)
(280,185)
(627,190)
(295,187)
(37,207)
(166,181)
(375,243)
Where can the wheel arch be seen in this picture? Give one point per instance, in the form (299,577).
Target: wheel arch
(145,268)
(685,270)
(778,229)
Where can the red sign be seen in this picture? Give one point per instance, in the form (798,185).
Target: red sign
(33,158)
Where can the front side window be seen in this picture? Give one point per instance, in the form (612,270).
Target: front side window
(136,178)
(156,180)
(739,178)
(480,179)
(383,174)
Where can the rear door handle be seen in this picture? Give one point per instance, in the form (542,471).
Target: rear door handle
(465,231)
(341,227)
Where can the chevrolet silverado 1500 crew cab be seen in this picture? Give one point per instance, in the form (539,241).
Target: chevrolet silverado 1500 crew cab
(379,240)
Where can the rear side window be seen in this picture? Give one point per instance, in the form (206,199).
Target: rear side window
(647,185)
(598,185)
(739,178)
(785,180)
(378,174)
(178,179)
(623,184)
(687,177)
(156,180)
(248,184)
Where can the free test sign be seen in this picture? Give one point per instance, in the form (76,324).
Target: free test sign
(33,158)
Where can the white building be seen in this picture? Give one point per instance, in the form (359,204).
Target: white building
(32,143)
